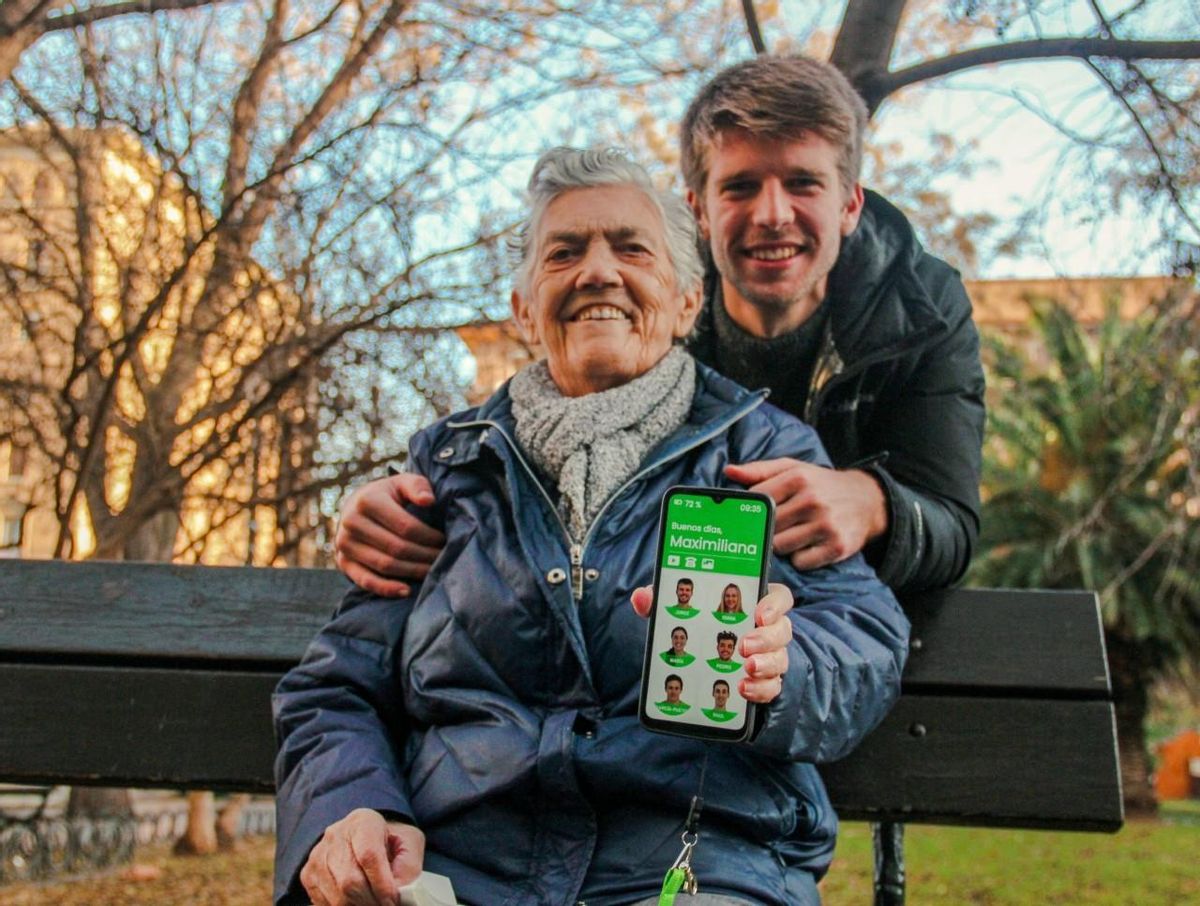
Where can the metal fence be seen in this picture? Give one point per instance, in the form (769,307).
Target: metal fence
(35,847)
(48,847)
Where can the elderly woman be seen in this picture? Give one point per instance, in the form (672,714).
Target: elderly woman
(486,728)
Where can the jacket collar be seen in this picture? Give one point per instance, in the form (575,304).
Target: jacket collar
(878,305)
(717,404)
(879,301)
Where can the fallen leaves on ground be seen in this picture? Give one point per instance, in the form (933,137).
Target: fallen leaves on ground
(157,878)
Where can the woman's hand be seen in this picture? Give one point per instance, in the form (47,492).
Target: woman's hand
(363,860)
(764,647)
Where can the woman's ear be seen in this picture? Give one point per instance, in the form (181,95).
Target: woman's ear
(523,318)
(693,300)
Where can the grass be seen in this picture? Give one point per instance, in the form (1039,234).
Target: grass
(1181,811)
(1146,864)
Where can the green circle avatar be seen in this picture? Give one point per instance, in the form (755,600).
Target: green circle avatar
(673,705)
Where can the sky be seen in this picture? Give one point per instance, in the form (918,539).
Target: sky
(1018,157)
(1077,229)
(1015,168)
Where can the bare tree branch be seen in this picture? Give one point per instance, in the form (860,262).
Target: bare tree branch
(751,16)
(22,22)
(864,42)
(1123,94)
(112,10)
(877,86)
(20,26)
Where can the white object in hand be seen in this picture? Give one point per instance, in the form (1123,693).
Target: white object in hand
(428,889)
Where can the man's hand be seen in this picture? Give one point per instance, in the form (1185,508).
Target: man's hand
(764,648)
(822,515)
(378,543)
(363,860)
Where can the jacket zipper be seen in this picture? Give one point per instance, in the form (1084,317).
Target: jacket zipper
(695,442)
(575,550)
(577,571)
(528,471)
(830,369)
(829,366)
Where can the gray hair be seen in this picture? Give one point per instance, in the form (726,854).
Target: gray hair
(561,169)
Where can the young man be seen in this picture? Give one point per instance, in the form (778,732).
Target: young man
(720,691)
(683,594)
(820,291)
(726,647)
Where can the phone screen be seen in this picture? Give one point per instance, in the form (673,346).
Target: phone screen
(710,573)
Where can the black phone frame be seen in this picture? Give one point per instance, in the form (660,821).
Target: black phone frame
(753,710)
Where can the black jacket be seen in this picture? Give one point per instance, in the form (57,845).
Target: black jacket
(898,390)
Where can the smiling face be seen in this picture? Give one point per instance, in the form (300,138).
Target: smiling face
(720,694)
(683,593)
(602,296)
(774,212)
(678,641)
(725,649)
(731,599)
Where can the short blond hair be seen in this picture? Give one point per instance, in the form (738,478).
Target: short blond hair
(778,97)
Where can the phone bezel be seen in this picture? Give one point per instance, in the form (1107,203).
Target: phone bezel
(699,731)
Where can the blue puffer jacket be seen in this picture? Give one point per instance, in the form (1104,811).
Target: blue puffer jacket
(496,708)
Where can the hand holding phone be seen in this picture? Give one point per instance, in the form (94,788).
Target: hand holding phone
(710,571)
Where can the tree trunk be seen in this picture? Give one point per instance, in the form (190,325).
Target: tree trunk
(1131,678)
(200,838)
(863,47)
(229,821)
(154,540)
(99,802)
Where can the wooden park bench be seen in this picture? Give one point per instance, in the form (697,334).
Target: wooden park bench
(160,676)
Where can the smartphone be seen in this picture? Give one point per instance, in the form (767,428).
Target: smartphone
(714,546)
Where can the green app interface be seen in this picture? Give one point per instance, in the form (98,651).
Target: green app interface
(725,537)
(709,575)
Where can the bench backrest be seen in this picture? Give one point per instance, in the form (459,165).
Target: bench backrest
(156,675)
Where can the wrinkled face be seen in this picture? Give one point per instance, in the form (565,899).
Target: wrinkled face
(720,696)
(683,592)
(678,641)
(774,212)
(674,690)
(602,297)
(725,649)
(731,599)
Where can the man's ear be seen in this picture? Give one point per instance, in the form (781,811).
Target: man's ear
(523,317)
(852,208)
(686,320)
(696,204)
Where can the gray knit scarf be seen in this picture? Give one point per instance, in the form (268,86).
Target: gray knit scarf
(592,444)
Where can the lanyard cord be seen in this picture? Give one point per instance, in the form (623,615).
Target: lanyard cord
(693,818)
(680,875)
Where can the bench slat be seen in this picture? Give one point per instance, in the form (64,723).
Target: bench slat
(987,762)
(144,728)
(1052,641)
(212,729)
(966,639)
(222,614)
